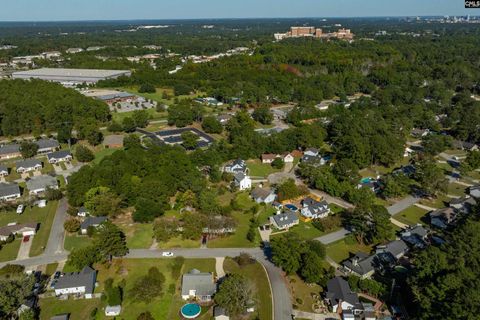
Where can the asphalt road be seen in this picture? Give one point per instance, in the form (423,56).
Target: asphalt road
(402,205)
(57,233)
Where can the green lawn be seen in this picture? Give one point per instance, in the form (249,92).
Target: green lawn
(75,241)
(9,251)
(411,215)
(456,189)
(341,250)
(103,153)
(258,169)
(239,238)
(258,277)
(305,230)
(438,202)
(142,236)
(78,309)
(154,115)
(302,293)
(51,268)
(44,216)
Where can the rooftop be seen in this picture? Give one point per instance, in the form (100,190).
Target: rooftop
(85,278)
(201,282)
(80,73)
(8,189)
(42,182)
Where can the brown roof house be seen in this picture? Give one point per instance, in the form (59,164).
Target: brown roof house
(113,141)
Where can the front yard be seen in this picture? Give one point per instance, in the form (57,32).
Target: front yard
(343,249)
(411,215)
(9,251)
(258,169)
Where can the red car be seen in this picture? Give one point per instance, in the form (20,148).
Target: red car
(26,238)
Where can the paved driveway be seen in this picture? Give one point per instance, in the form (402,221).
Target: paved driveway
(402,205)
(57,233)
(334,236)
(24,251)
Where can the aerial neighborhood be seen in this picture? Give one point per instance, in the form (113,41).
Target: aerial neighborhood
(200,170)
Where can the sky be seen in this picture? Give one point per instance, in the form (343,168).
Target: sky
(54,10)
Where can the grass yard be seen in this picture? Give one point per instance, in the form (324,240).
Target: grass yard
(78,309)
(75,241)
(341,250)
(153,114)
(102,154)
(303,294)
(258,169)
(239,238)
(411,215)
(44,216)
(141,237)
(306,231)
(10,250)
(456,189)
(51,268)
(438,202)
(261,292)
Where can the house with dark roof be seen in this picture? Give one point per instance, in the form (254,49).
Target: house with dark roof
(83,212)
(415,236)
(3,171)
(443,218)
(93,222)
(242,181)
(396,248)
(198,285)
(9,191)
(236,166)
(263,195)
(464,145)
(47,145)
(285,220)
(28,165)
(82,282)
(60,156)
(313,152)
(362,265)
(28,304)
(39,184)
(340,296)
(463,204)
(313,209)
(10,151)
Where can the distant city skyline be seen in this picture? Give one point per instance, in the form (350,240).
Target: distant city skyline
(74,10)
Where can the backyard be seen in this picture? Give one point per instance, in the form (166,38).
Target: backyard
(258,169)
(343,249)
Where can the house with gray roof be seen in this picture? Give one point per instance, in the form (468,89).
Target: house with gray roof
(314,209)
(474,191)
(396,248)
(10,151)
(415,236)
(362,265)
(60,156)
(25,229)
(28,165)
(198,285)
(242,181)
(263,195)
(40,184)
(82,282)
(93,222)
(47,145)
(463,204)
(9,191)
(285,220)
(236,166)
(3,171)
(340,296)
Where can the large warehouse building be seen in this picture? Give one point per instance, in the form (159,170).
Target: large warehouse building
(70,76)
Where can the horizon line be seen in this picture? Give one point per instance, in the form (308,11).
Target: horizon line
(235,18)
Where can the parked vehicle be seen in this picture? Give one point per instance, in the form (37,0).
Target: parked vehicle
(20,209)
(167,254)
(26,238)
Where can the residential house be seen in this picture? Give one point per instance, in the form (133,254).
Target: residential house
(9,191)
(287,157)
(474,191)
(362,265)
(82,212)
(418,133)
(314,209)
(28,165)
(40,184)
(464,145)
(263,195)
(3,171)
(198,285)
(463,204)
(242,181)
(313,152)
(59,156)
(285,220)
(10,151)
(93,222)
(113,141)
(236,166)
(113,311)
(82,282)
(348,315)
(25,229)
(340,296)
(396,248)
(443,218)
(220,314)
(268,158)
(415,236)
(74,50)
(47,145)
(28,304)
(224,118)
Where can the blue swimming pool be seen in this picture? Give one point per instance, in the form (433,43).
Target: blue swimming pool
(291,207)
(366,180)
(191,310)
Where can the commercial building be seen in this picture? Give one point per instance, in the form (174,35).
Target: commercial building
(298,32)
(70,76)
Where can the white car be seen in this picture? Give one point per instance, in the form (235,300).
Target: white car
(167,254)
(20,209)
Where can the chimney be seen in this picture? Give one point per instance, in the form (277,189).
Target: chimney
(355,261)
